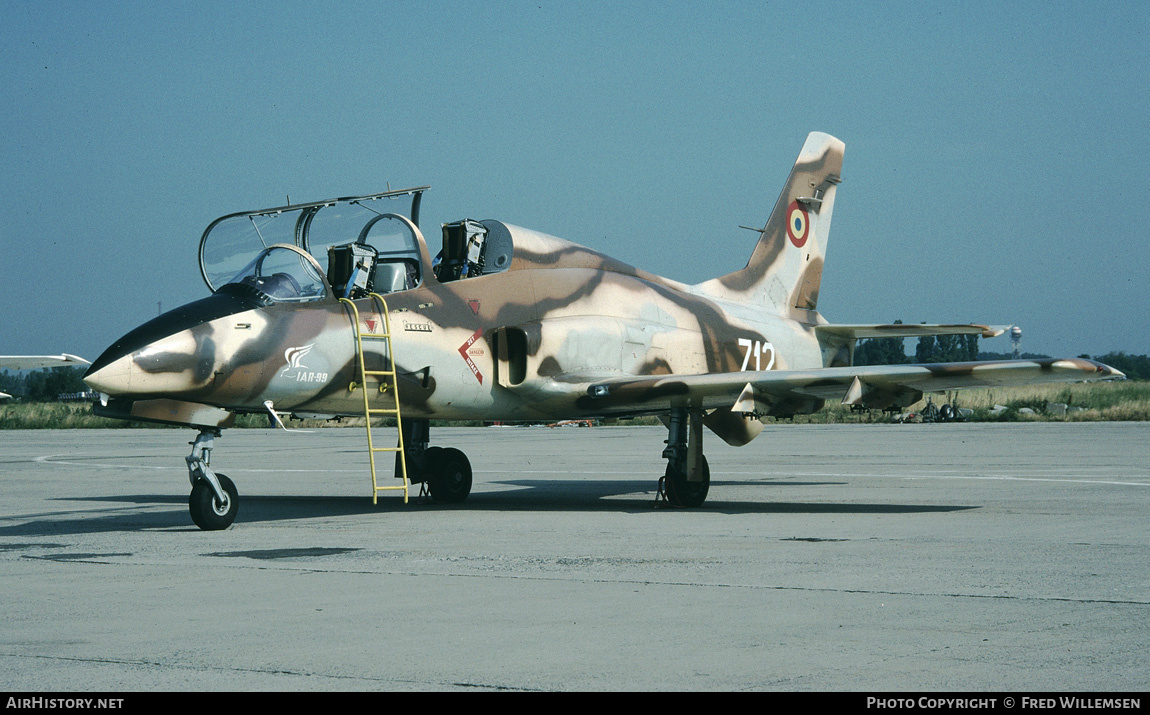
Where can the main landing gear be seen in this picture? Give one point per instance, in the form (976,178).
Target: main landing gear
(214,501)
(444,471)
(688,478)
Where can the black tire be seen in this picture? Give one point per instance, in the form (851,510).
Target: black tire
(449,480)
(206,510)
(426,465)
(946,413)
(681,492)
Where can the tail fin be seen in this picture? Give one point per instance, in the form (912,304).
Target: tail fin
(787,265)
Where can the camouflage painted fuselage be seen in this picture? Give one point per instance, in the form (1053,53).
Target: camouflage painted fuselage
(505,346)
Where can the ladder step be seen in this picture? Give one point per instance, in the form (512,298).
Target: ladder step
(388,383)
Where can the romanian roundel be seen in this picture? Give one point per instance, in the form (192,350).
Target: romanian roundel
(798,224)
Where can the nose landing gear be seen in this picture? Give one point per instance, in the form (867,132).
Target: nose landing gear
(214,501)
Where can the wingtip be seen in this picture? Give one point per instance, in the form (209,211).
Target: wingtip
(1096,370)
(1111,373)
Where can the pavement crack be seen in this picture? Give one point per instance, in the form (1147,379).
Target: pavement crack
(77,558)
(137,663)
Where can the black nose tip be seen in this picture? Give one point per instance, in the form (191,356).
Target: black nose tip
(183,318)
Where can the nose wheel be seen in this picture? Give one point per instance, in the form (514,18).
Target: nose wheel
(214,501)
(208,512)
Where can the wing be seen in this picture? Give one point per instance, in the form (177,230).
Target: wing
(31,362)
(788,392)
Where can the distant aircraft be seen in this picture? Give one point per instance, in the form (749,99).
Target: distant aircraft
(505,324)
(32,362)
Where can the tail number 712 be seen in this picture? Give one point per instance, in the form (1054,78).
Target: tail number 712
(758,349)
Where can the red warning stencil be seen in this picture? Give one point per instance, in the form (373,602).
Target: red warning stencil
(463,349)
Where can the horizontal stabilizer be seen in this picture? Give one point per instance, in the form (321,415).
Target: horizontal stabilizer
(909,330)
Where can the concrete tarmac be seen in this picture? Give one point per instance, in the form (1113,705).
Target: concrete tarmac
(827,557)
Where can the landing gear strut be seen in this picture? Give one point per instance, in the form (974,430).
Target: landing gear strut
(688,478)
(444,471)
(214,501)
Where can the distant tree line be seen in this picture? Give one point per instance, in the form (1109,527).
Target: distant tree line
(930,348)
(1136,367)
(42,385)
(881,351)
(946,348)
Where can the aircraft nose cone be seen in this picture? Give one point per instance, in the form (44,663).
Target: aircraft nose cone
(168,366)
(170,355)
(114,378)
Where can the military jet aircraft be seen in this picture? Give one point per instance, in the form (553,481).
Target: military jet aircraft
(316,305)
(32,362)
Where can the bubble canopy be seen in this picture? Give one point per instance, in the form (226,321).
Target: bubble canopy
(235,247)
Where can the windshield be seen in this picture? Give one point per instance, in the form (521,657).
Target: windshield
(234,243)
(280,274)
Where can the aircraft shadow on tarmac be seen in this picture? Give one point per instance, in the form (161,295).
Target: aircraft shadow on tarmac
(147,511)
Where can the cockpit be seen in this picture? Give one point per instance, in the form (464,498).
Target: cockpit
(471,249)
(344,248)
(279,273)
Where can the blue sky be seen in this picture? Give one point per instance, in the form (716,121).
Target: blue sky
(996,161)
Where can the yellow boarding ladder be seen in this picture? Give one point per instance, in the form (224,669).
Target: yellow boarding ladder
(387,384)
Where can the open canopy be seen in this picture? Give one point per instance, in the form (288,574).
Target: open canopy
(233,248)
